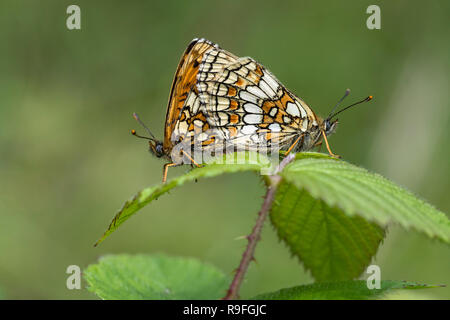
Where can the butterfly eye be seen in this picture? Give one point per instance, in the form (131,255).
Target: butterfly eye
(159,150)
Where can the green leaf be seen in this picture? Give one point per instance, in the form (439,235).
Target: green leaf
(356,191)
(245,162)
(154,277)
(340,290)
(332,245)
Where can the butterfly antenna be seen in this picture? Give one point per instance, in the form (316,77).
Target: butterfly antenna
(347,92)
(354,104)
(133,132)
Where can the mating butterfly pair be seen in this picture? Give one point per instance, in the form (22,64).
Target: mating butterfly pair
(217,97)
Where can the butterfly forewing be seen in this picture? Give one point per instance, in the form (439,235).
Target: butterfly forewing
(181,95)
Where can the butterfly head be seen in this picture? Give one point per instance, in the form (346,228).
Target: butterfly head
(324,127)
(329,126)
(155,146)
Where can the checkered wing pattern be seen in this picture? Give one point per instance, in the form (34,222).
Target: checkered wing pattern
(183,99)
(246,105)
(187,116)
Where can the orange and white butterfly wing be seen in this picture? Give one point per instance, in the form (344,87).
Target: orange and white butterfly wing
(186,117)
(182,86)
(251,107)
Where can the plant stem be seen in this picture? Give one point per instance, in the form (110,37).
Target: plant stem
(253,238)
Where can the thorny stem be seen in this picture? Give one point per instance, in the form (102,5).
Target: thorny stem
(253,238)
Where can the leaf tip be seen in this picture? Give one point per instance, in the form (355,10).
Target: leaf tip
(99,241)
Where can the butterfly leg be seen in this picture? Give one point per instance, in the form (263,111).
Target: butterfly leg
(319,145)
(190,158)
(192,167)
(165,168)
(328,146)
(293,145)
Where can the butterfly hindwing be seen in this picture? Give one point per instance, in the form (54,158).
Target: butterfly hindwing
(250,106)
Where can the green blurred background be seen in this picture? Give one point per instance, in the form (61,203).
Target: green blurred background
(68,161)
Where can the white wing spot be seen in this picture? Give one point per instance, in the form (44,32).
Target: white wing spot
(257,92)
(202,136)
(193,102)
(253,118)
(249,129)
(198,123)
(270,81)
(275,127)
(273,112)
(293,109)
(267,89)
(302,110)
(252,108)
(304,125)
(223,117)
(182,127)
(222,103)
(286,119)
(244,95)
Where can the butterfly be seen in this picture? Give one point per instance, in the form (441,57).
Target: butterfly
(218,98)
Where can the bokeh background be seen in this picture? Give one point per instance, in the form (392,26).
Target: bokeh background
(68,162)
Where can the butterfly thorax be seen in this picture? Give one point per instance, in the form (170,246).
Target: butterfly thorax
(314,135)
